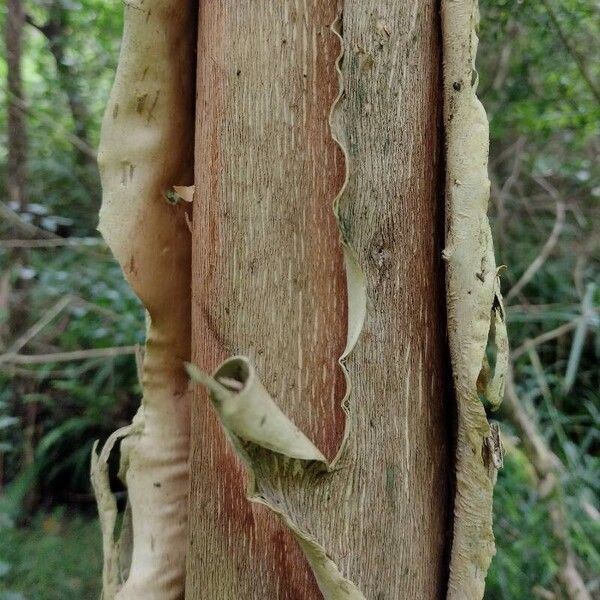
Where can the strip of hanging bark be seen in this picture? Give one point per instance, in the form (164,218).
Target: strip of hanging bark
(145,150)
(475,312)
(271,447)
(267,285)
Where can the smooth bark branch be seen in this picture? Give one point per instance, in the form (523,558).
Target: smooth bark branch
(268,282)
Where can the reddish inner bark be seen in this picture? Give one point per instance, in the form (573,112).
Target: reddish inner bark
(235,531)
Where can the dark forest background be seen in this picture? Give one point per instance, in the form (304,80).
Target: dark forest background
(69,325)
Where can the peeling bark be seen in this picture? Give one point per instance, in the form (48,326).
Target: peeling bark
(316,246)
(475,311)
(268,284)
(145,150)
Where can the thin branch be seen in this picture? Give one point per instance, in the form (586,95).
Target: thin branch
(572,51)
(588,316)
(76,141)
(548,468)
(14,219)
(29,20)
(541,457)
(51,314)
(33,373)
(5,289)
(545,252)
(53,243)
(547,336)
(37,327)
(38,359)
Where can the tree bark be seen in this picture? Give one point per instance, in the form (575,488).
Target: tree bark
(16,174)
(269,283)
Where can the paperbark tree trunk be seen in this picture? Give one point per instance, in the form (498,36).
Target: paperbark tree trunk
(334,456)
(269,283)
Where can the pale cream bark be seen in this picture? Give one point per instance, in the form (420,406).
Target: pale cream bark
(146,149)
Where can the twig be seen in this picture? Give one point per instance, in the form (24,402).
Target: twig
(588,316)
(538,370)
(50,315)
(35,329)
(572,51)
(545,252)
(505,153)
(12,217)
(38,359)
(33,373)
(548,468)
(53,243)
(517,162)
(5,289)
(543,338)
(76,141)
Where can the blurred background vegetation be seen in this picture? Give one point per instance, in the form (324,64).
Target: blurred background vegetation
(60,292)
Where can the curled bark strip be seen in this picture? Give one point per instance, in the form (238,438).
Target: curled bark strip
(473,303)
(274,451)
(146,150)
(107,509)
(271,446)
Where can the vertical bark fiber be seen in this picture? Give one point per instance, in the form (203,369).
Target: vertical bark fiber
(268,282)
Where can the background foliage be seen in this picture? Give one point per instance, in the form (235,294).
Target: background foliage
(539,79)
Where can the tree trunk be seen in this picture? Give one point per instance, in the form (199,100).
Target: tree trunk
(55,30)
(269,283)
(17,139)
(332,457)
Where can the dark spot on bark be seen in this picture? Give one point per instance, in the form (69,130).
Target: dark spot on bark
(131,268)
(390,484)
(125,173)
(157,484)
(115,111)
(140,102)
(151,109)
(457,86)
